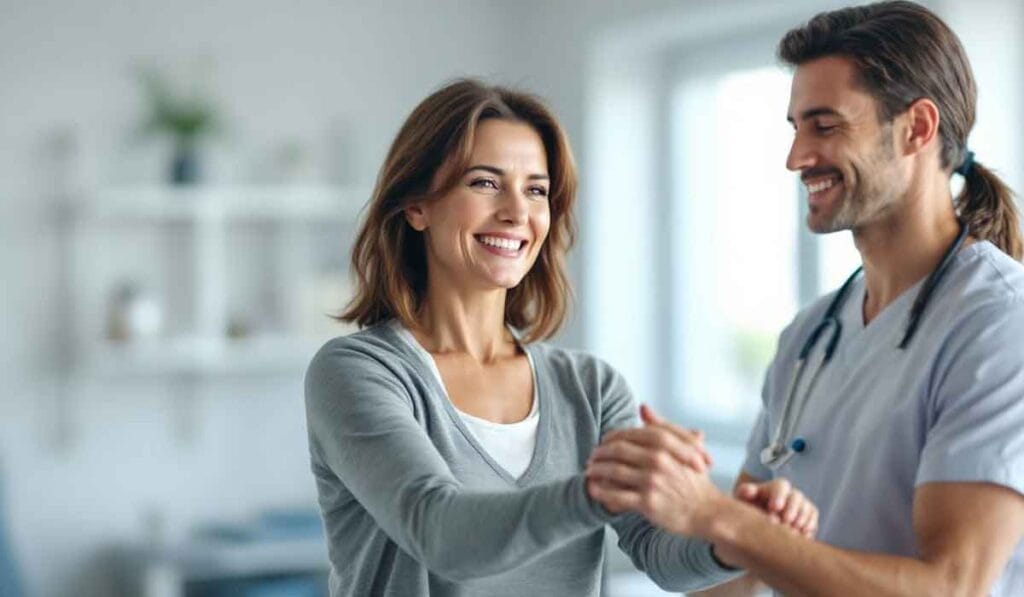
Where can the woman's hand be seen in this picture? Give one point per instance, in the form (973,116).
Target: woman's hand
(659,470)
(656,436)
(782,502)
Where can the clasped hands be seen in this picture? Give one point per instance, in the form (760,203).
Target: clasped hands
(660,470)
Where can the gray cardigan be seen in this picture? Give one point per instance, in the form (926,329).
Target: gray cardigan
(413,505)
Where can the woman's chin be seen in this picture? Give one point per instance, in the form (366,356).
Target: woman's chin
(505,282)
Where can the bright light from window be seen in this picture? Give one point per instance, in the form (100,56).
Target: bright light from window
(837,260)
(735,248)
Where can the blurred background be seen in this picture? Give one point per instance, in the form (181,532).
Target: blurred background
(180,184)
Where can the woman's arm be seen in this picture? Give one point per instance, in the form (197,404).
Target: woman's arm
(362,428)
(676,562)
(673,562)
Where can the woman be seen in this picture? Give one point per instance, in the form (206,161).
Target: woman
(449,451)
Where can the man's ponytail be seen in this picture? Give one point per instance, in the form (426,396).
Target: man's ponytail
(902,52)
(986,205)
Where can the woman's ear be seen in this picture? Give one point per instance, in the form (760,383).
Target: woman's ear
(416,215)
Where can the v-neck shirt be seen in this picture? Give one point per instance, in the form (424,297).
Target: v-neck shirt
(414,504)
(511,445)
(881,421)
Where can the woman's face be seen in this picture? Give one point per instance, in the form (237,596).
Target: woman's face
(486,232)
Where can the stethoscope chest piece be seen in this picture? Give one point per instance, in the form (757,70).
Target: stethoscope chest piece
(776,455)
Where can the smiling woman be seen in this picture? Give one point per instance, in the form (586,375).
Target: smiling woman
(490,226)
(432,162)
(448,444)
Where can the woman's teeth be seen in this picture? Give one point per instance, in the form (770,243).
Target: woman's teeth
(817,187)
(505,244)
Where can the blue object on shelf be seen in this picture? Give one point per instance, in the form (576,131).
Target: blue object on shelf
(10,583)
(293,587)
(290,524)
(271,525)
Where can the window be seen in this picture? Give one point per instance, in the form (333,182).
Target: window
(736,273)
(837,260)
(741,251)
(695,250)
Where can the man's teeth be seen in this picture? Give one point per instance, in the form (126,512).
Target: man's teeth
(502,243)
(817,187)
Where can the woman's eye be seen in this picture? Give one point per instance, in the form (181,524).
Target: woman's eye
(538,191)
(483,183)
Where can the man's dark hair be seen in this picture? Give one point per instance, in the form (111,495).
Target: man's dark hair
(904,52)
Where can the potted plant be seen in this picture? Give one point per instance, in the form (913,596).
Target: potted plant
(186,119)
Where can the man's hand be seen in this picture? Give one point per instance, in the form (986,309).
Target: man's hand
(659,470)
(783,503)
(642,470)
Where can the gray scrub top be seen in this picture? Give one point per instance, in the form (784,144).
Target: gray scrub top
(881,421)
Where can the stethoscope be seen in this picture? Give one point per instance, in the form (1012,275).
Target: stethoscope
(781,449)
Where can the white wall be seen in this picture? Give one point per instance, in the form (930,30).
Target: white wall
(992,32)
(287,71)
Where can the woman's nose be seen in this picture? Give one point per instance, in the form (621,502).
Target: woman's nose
(514,207)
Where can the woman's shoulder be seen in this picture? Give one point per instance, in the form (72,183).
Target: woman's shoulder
(570,364)
(583,378)
(375,349)
(368,363)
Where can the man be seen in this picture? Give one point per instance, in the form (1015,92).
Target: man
(909,434)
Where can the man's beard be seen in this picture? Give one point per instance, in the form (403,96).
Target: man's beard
(874,193)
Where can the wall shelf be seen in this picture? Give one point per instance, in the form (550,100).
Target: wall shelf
(242,278)
(189,230)
(195,356)
(224,203)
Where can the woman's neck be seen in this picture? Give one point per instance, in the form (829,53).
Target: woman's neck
(469,323)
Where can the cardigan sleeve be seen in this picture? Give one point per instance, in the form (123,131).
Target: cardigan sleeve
(361,427)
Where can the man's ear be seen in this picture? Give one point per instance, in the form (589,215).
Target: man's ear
(922,118)
(416,215)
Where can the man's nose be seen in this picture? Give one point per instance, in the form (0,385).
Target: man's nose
(802,154)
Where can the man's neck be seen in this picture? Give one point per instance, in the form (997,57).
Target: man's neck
(904,247)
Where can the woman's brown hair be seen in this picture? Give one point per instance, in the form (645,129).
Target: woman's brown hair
(389,256)
(904,52)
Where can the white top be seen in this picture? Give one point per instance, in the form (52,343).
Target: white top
(882,421)
(511,445)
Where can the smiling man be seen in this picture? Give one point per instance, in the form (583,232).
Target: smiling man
(895,403)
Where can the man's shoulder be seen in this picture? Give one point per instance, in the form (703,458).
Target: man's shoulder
(984,290)
(985,275)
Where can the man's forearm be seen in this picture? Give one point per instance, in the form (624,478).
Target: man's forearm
(796,565)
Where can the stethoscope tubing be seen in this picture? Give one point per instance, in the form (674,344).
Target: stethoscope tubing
(777,452)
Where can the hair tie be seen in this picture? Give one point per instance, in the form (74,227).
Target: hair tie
(967,165)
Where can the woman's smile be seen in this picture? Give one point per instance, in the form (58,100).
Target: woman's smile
(502,245)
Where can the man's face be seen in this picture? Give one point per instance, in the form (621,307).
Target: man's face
(845,157)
